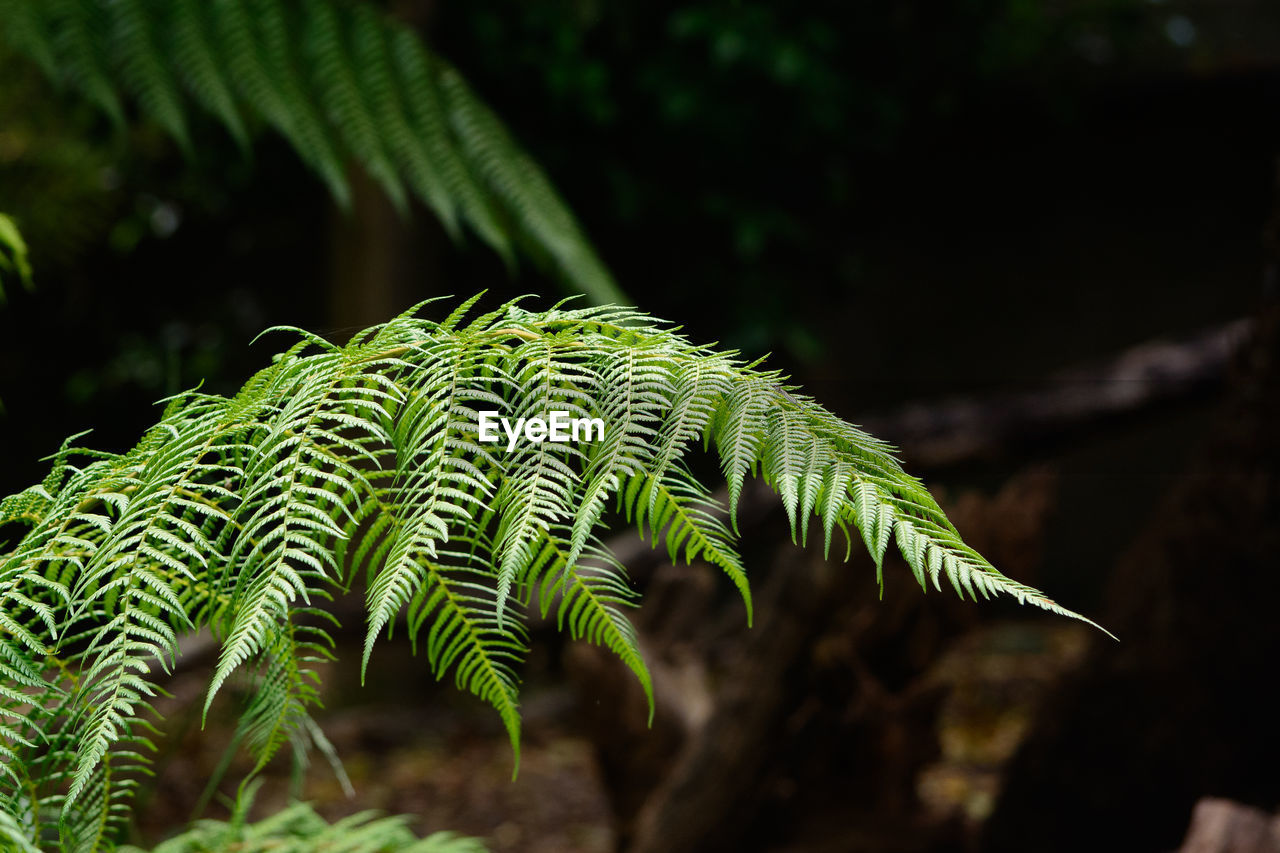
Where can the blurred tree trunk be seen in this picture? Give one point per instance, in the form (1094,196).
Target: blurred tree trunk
(383,263)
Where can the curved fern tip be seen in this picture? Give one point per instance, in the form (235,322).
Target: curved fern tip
(1087,621)
(1048,604)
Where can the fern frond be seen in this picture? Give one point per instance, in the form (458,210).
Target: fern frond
(203,72)
(76,33)
(467,636)
(373,56)
(349,107)
(636,391)
(254,67)
(340,81)
(14,835)
(434,485)
(591,596)
(367,463)
(143,67)
(523,192)
(680,511)
(736,426)
(284,689)
(540,484)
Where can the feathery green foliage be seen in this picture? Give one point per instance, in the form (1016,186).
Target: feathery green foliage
(338,80)
(363,466)
(298,829)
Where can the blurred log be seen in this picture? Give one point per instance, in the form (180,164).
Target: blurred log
(723,763)
(963,429)
(1184,704)
(1223,826)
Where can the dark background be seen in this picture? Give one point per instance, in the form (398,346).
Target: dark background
(902,202)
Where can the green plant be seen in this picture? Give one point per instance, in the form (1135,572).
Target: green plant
(362,465)
(298,829)
(340,81)
(14,263)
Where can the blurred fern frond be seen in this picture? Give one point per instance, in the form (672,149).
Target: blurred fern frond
(371,465)
(339,81)
(54,175)
(14,260)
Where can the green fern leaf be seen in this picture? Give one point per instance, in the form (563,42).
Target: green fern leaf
(194,39)
(637,390)
(736,426)
(28,28)
(80,30)
(144,70)
(277,39)
(523,191)
(345,102)
(591,598)
(417,72)
(467,636)
(284,689)
(679,510)
(434,486)
(372,57)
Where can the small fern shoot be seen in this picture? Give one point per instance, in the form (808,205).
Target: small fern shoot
(14,260)
(367,466)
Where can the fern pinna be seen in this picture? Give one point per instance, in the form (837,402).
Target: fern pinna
(338,80)
(364,465)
